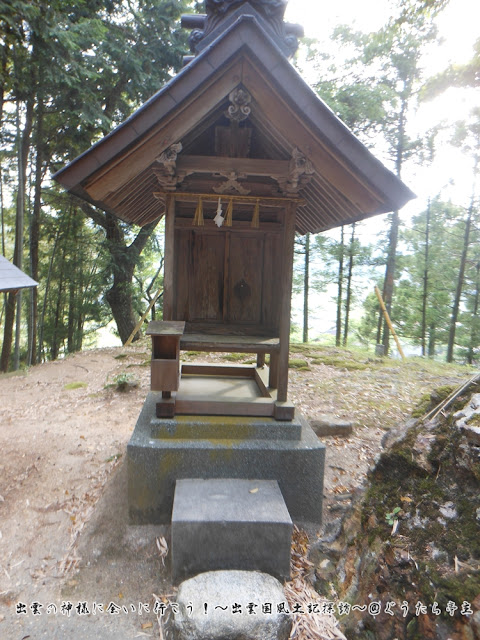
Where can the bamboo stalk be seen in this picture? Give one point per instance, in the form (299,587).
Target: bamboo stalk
(142,319)
(389,322)
(433,413)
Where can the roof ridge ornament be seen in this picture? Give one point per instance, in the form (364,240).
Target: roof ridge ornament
(221,14)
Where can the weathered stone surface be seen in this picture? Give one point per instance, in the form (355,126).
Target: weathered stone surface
(154,465)
(475,624)
(206,607)
(226,523)
(473,434)
(331,426)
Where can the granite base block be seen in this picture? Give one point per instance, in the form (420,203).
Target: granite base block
(155,464)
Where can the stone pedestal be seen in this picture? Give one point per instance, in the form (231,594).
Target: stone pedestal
(230,524)
(161,451)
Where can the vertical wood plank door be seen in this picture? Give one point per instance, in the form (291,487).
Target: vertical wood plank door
(229,277)
(206,277)
(245,278)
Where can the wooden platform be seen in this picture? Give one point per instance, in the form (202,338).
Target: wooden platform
(228,343)
(240,390)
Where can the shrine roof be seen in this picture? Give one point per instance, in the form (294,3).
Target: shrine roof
(348,183)
(12,278)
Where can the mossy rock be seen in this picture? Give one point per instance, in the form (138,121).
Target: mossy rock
(430,400)
(422,407)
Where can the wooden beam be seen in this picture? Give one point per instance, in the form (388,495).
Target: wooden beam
(224,370)
(205,405)
(271,201)
(248,166)
(169,266)
(228,343)
(285,302)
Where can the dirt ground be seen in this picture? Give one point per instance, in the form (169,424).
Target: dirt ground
(64,535)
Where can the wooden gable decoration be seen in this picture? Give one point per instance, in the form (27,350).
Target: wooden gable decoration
(238,153)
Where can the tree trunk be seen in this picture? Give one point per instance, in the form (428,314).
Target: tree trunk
(35,232)
(432,339)
(459,288)
(338,332)
(23,149)
(306,286)
(45,297)
(474,338)
(71,317)
(423,336)
(390,275)
(124,261)
(349,286)
(59,307)
(388,285)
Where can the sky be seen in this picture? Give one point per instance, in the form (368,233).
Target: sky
(459,27)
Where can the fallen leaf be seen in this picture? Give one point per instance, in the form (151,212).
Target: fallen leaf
(254,490)
(147,625)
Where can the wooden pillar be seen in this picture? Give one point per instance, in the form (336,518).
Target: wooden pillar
(168,297)
(285,303)
(260,359)
(273,370)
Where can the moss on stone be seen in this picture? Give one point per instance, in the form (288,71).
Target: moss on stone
(422,406)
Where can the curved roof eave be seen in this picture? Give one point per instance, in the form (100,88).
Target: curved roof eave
(244,36)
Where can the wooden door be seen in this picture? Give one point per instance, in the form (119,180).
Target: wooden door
(228,276)
(243,295)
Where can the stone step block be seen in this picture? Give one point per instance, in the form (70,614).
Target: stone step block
(225,523)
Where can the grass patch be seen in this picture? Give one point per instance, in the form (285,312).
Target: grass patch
(75,385)
(298,363)
(123,382)
(234,357)
(114,458)
(145,363)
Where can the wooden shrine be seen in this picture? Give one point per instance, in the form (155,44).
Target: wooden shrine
(238,154)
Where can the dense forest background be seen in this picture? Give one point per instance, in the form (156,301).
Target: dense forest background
(70,72)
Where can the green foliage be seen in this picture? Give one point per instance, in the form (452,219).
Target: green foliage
(76,70)
(456,75)
(393,516)
(123,382)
